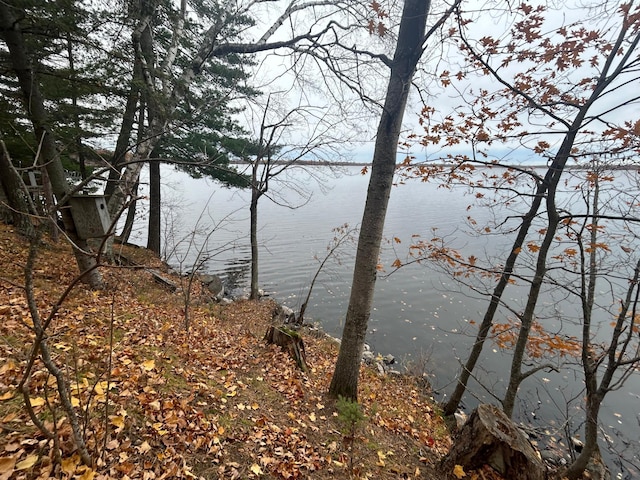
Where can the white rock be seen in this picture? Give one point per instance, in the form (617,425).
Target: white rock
(461,418)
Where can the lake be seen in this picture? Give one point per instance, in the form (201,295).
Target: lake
(420,314)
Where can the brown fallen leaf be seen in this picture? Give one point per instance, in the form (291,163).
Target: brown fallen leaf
(7,395)
(37,402)
(68,465)
(7,464)
(27,463)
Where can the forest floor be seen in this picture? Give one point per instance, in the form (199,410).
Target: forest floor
(154,400)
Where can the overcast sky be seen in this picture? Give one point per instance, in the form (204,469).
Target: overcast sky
(308,86)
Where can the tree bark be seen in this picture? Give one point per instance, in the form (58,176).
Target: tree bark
(490,438)
(595,393)
(408,52)
(49,157)
(133,203)
(76,111)
(148,138)
(589,277)
(126,129)
(289,340)
(590,448)
(49,208)
(131,216)
(135,97)
(487,321)
(153,238)
(552,179)
(253,214)
(16,193)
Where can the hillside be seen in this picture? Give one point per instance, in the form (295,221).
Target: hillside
(155,401)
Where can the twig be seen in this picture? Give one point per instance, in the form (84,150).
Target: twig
(110,363)
(40,345)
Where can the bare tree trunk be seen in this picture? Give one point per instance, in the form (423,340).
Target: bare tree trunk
(76,114)
(148,138)
(131,216)
(49,156)
(16,193)
(115,208)
(49,204)
(616,358)
(592,410)
(126,129)
(596,393)
(253,209)
(487,321)
(552,179)
(594,397)
(136,94)
(153,238)
(408,51)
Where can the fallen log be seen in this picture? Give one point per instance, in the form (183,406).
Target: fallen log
(162,280)
(155,274)
(290,341)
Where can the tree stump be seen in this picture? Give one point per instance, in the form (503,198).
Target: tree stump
(290,341)
(490,438)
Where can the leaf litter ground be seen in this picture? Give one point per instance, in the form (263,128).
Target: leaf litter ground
(156,401)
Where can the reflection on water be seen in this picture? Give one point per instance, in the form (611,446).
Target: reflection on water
(235,275)
(419,313)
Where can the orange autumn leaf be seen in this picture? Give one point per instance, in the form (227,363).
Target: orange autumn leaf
(88,474)
(69,465)
(458,471)
(149,365)
(37,402)
(533,247)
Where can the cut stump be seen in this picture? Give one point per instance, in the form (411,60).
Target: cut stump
(490,438)
(290,341)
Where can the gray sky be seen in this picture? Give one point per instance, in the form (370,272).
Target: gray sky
(309,85)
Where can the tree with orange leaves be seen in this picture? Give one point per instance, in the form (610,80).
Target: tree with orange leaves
(566,94)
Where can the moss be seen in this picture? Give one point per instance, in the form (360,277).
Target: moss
(292,333)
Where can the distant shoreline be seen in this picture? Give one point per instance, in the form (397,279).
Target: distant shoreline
(310,163)
(326,163)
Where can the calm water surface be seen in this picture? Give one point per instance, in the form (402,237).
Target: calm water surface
(420,315)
